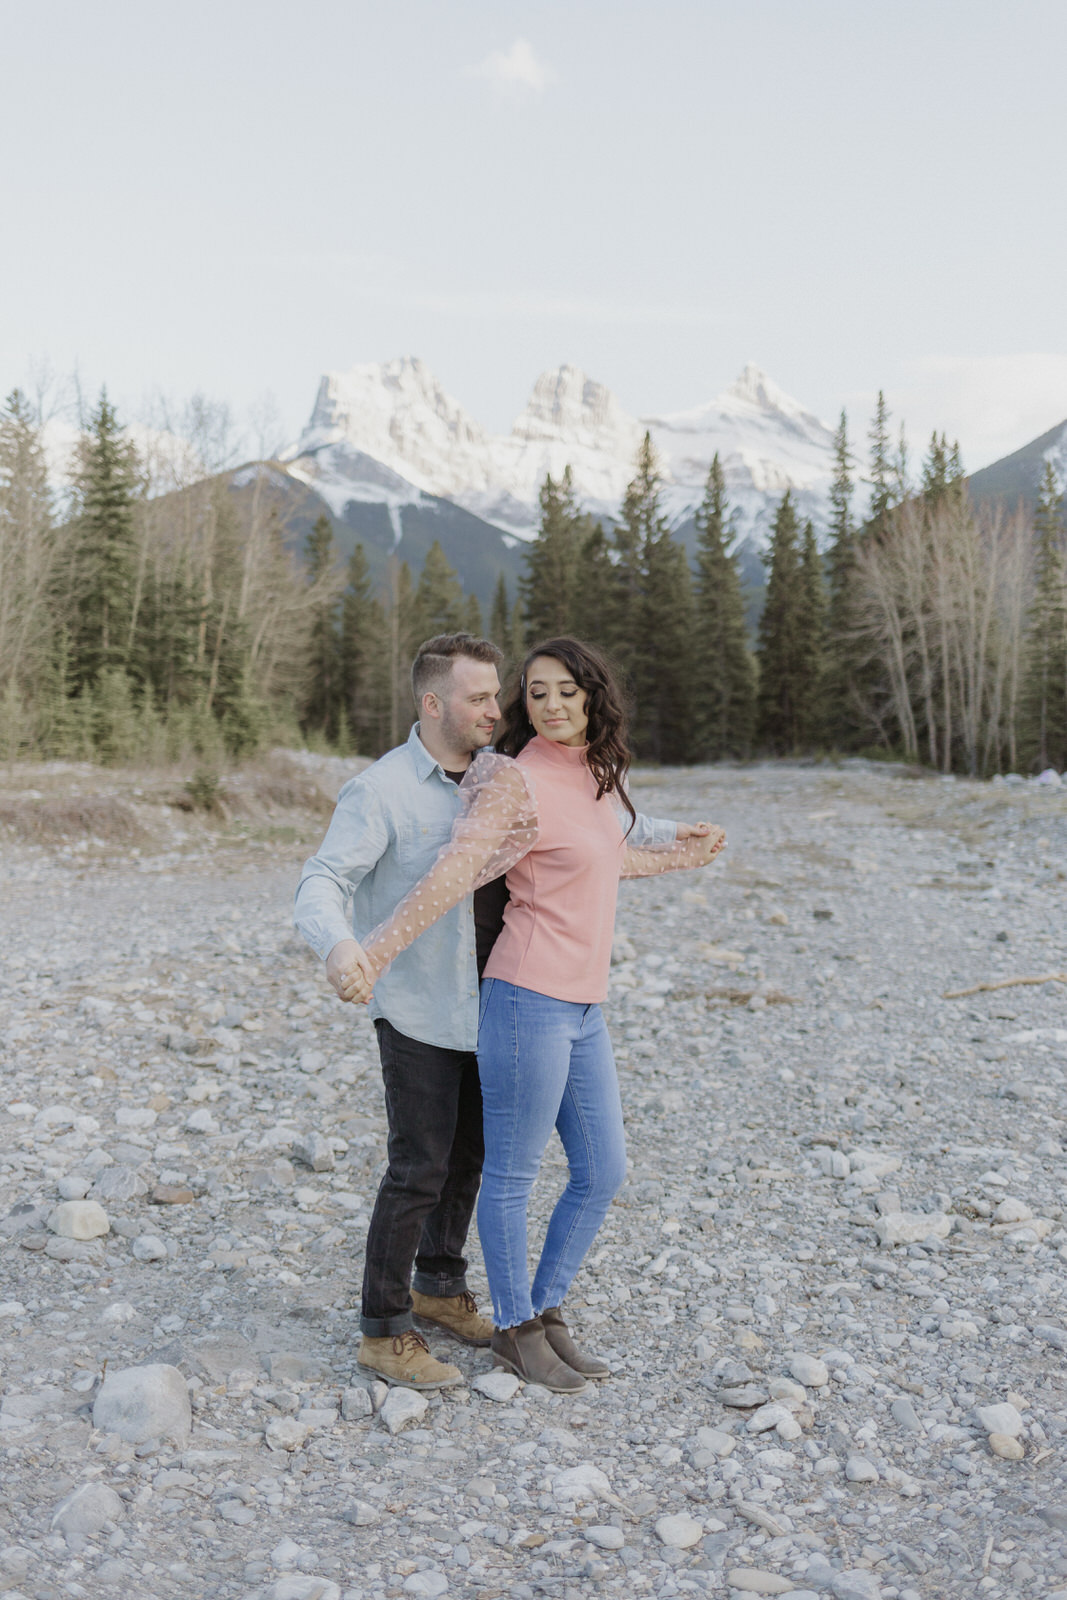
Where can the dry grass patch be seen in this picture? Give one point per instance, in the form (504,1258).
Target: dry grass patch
(58,819)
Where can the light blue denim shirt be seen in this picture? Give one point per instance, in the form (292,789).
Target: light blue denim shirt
(390,823)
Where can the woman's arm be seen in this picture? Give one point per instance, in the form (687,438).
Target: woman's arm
(697,850)
(496,828)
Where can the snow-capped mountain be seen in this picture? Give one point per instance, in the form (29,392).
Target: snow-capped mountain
(389,432)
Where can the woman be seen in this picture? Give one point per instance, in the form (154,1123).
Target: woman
(556,817)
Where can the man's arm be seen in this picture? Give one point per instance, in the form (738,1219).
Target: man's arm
(648,833)
(355,841)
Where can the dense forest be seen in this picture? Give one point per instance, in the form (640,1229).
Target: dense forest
(152,621)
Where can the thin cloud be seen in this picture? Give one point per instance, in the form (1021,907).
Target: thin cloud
(992,404)
(515,71)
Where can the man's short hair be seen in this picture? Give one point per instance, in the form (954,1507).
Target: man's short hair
(432,667)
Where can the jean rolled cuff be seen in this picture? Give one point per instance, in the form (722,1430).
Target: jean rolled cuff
(386,1327)
(436,1287)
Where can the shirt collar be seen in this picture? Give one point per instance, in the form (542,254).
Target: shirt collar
(425,764)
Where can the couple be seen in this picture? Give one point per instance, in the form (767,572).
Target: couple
(421,842)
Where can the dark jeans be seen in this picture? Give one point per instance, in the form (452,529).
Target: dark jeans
(433,1101)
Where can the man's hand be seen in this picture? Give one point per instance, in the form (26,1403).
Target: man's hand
(693,830)
(349,970)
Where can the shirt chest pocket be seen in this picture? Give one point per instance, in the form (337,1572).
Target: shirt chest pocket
(417,846)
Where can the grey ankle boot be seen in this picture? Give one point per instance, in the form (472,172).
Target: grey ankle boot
(527,1352)
(558,1336)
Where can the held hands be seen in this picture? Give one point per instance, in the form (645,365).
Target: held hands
(349,970)
(715,837)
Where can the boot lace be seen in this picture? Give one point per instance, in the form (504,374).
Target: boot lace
(409,1343)
(469,1302)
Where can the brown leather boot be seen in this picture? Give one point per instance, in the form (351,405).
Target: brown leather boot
(558,1336)
(456,1314)
(527,1352)
(405,1359)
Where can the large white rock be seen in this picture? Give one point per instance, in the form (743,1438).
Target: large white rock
(912,1227)
(808,1370)
(855,1585)
(427,1585)
(1012,1210)
(716,1440)
(605,1537)
(285,1433)
(754,1580)
(149,1247)
(583,1482)
(403,1406)
(1000,1419)
(85,1511)
(79,1219)
(141,1403)
(297,1586)
(497,1385)
(768,1416)
(679,1532)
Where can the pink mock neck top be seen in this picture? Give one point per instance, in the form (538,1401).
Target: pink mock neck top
(537,819)
(559,922)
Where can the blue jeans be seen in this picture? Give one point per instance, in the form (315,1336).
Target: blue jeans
(543,1063)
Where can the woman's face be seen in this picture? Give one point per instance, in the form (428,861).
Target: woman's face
(554,702)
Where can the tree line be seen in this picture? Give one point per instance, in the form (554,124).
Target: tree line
(151,618)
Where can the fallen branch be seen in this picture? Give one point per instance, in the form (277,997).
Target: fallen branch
(1005,983)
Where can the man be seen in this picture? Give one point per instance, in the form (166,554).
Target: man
(389,825)
(388,828)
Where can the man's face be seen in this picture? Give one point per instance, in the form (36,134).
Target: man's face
(469,707)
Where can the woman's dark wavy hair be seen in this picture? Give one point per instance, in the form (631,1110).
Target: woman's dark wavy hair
(608,756)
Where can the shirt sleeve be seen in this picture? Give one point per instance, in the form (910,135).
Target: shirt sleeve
(355,842)
(495,827)
(648,833)
(697,851)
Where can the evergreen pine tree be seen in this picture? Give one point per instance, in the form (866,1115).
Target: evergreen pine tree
(811,638)
(105,548)
(500,615)
(663,724)
(881,478)
(1045,691)
(780,699)
(439,600)
(362,638)
(515,645)
(406,629)
(935,478)
(594,591)
(472,618)
(28,547)
(323,708)
(547,586)
(842,666)
(641,524)
(723,677)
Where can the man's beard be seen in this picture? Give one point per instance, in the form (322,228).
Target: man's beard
(461,736)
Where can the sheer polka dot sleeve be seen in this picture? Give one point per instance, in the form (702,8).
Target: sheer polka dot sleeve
(495,827)
(697,851)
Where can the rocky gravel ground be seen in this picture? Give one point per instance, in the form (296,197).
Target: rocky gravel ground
(832,1290)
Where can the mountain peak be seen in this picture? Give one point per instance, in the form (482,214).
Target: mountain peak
(564,402)
(755,388)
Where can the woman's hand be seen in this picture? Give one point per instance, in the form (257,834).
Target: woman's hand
(350,971)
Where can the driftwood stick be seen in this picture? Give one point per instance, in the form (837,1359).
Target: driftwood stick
(1005,983)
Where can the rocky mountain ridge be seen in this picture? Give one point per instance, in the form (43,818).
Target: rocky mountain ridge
(389,431)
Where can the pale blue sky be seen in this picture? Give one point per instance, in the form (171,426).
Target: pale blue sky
(234,196)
